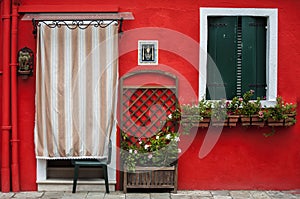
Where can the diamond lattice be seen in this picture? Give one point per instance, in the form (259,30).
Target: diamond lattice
(145,110)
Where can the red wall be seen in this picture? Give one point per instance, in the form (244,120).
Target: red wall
(1,55)
(242,158)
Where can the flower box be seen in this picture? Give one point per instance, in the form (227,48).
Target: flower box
(204,123)
(289,121)
(151,177)
(253,120)
(230,121)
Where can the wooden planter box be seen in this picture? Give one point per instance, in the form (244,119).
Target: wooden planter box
(204,123)
(283,122)
(253,120)
(151,177)
(230,121)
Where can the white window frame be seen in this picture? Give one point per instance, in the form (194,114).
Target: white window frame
(271,50)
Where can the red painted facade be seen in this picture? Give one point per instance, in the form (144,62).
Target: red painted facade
(242,158)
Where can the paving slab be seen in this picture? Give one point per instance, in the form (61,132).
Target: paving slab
(52,195)
(222,197)
(160,195)
(77,195)
(115,195)
(30,194)
(195,193)
(200,197)
(240,194)
(137,196)
(259,195)
(220,193)
(178,196)
(6,195)
(95,195)
(279,194)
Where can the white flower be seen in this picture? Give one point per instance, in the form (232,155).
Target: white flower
(157,137)
(146,146)
(177,139)
(130,150)
(179,150)
(170,116)
(168,136)
(150,156)
(135,152)
(140,142)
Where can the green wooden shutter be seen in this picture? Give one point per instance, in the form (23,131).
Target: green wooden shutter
(254,55)
(222,50)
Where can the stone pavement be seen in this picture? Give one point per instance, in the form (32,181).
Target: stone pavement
(179,195)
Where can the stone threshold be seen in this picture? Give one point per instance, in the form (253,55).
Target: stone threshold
(93,184)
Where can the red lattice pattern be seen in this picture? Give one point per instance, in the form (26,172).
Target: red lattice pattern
(145,110)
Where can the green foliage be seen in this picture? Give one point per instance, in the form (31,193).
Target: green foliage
(250,107)
(234,106)
(245,105)
(158,150)
(192,114)
(281,110)
(219,111)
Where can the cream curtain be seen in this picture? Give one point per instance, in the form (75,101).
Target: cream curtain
(76,91)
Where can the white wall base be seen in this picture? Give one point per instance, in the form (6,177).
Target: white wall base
(67,185)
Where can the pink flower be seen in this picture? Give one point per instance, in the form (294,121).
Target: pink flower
(227,103)
(150,156)
(251,91)
(260,114)
(240,99)
(135,152)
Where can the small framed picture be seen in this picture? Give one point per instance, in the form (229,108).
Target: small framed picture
(147,52)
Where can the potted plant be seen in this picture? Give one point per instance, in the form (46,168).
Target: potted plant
(225,113)
(152,160)
(197,115)
(282,114)
(251,110)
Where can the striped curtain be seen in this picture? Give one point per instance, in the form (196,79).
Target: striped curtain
(76,91)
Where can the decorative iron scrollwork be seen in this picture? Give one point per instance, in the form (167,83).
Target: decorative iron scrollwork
(81,24)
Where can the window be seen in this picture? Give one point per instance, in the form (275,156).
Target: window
(237,46)
(238,52)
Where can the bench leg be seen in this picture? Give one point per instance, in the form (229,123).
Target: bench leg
(106,178)
(76,169)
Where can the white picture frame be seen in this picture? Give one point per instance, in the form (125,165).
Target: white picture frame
(147,52)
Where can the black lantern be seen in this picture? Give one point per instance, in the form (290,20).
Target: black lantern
(25,60)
